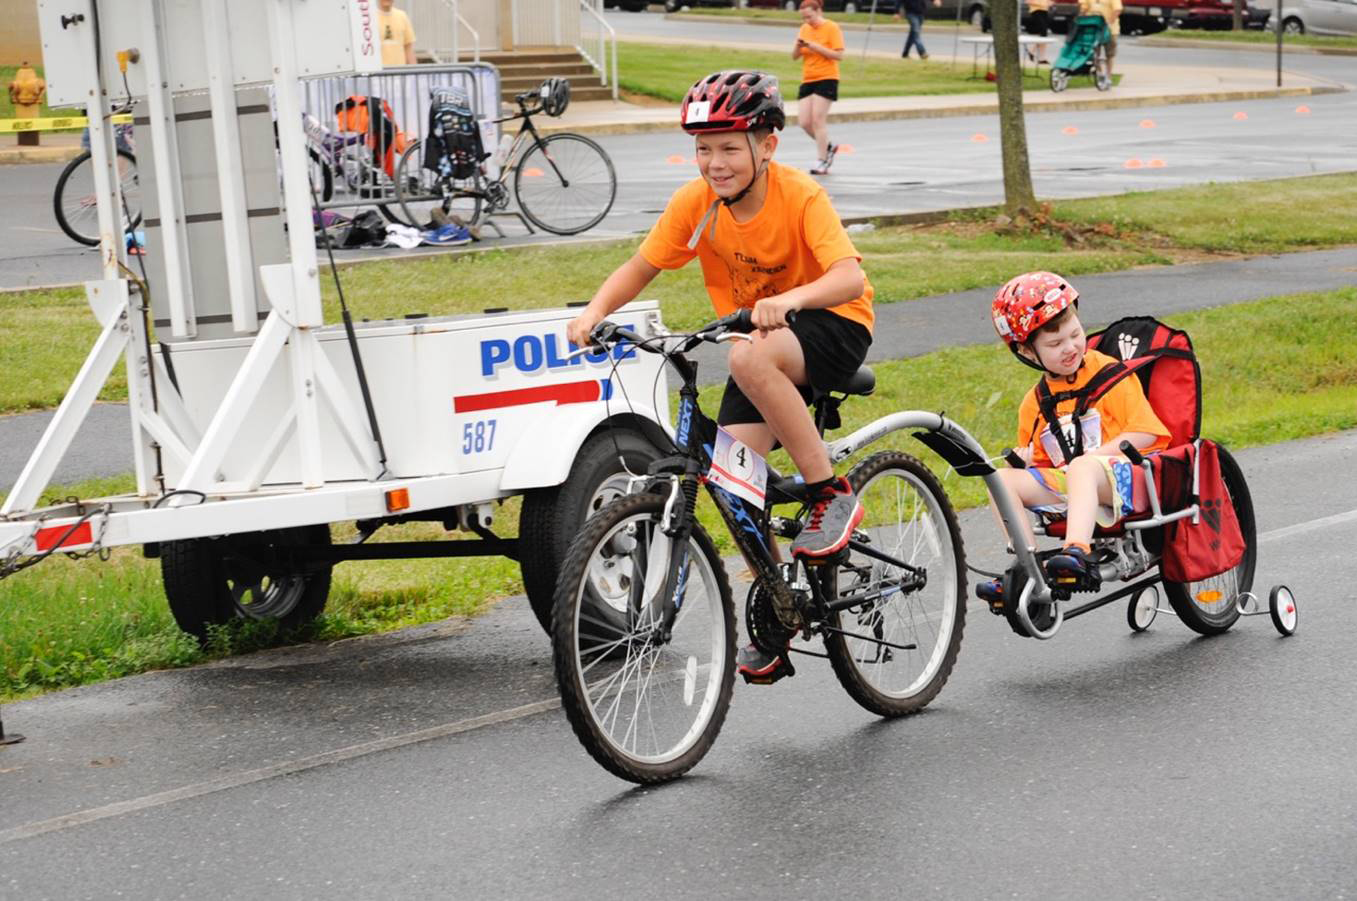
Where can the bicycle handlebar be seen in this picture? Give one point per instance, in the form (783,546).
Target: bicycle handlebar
(739,322)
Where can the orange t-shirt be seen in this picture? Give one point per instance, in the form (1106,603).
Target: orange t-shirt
(1122,409)
(815,67)
(790,242)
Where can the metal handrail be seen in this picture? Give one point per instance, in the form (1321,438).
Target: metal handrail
(601,64)
(475,35)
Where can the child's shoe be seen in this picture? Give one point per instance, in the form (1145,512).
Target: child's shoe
(992,593)
(1072,569)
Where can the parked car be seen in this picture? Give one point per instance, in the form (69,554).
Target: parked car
(831,6)
(1151,16)
(631,6)
(673,6)
(1319,16)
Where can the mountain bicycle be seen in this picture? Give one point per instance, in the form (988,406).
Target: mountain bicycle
(564,183)
(75,204)
(646,686)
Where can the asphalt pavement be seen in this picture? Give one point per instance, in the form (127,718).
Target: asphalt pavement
(434,762)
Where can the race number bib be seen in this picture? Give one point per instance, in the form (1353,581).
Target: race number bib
(1091,424)
(737,469)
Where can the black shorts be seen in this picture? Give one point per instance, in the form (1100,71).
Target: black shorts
(1039,23)
(829,88)
(834,348)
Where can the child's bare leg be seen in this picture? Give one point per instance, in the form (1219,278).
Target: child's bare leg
(1086,482)
(768,371)
(1024,492)
(805,117)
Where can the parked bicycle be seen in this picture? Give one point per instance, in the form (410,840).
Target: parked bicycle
(563,183)
(343,165)
(76,205)
(646,685)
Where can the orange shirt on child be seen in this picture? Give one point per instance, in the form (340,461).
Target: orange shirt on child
(815,67)
(1122,409)
(790,242)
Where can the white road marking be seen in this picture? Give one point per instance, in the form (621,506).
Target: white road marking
(160,799)
(1302,527)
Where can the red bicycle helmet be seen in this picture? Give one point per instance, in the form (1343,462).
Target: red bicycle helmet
(734,100)
(1029,301)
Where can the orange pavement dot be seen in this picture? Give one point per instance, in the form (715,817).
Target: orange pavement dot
(1156,164)
(846,148)
(1147,123)
(979,138)
(533,172)
(1241,115)
(1303,110)
(1070,130)
(1133,164)
(692,161)
(674,159)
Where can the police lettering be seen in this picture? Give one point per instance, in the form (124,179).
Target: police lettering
(538,353)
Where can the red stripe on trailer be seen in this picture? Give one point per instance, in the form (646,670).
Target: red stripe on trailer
(47,538)
(568,393)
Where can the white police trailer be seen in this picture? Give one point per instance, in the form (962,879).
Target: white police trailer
(256,425)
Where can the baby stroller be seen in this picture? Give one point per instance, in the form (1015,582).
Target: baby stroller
(1084,53)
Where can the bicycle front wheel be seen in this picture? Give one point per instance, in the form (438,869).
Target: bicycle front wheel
(899,642)
(646,706)
(425,197)
(75,203)
(565,184)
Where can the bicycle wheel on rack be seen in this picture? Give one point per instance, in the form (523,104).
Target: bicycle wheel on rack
(421,191)
(364,182)
(646,707)
(565,184)
(917,603)
(75,204)
(1209,607)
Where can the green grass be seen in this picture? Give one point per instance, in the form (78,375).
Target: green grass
(7,106)
(69,622)
(1262,37)
(665,71)
(44,336)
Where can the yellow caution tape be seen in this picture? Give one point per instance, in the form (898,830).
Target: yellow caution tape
(59,123)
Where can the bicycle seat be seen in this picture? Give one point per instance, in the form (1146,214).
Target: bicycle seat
(862,382)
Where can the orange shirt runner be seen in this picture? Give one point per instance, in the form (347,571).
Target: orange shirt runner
(790,242)
(815,67)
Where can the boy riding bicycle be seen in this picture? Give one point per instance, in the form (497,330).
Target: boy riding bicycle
(768,239)
(1073,469)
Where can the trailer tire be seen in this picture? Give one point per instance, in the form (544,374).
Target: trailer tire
(208,580)
(552,517)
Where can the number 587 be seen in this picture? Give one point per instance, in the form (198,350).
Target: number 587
(478,437)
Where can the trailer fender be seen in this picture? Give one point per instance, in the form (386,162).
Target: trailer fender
(562,431)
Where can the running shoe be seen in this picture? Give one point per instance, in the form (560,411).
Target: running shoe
(833,517)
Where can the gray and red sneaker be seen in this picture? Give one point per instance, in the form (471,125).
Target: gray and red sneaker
(833,517)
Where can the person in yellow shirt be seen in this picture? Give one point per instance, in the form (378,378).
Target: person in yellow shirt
(1039,25)
(819,46)
(1110,10)
(398,36)
(768,240)
(1074,468)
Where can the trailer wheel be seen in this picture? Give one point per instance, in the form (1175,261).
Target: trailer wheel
(211,581)
(552,517)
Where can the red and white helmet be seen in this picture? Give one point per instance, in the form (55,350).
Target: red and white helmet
(734,100)
(1029,301)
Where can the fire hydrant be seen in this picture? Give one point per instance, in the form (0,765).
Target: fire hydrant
(26,92)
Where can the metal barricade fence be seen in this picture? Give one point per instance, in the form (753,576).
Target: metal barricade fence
(406,89)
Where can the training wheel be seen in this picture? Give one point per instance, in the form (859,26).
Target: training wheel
(1143,608)
(1282,605)
(1247,603)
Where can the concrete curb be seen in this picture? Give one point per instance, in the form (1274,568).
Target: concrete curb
(1245,45)
(18,155)
(1034,103)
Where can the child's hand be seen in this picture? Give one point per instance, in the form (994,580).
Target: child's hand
(577,332)
(771,313)
(1025,453)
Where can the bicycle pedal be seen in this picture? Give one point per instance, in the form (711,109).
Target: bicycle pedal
(781,671)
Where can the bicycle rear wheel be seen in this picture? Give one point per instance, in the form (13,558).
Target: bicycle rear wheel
(917,604)
(646,707)
(75,204)
(421,191)
(565,184)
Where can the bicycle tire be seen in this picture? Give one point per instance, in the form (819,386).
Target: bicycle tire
(420,191)
(319,166)
(596,677)
(1215,617)
(879,677)
(591,183)
(77,214)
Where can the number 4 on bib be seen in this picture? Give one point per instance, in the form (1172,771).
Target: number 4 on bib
(737,469)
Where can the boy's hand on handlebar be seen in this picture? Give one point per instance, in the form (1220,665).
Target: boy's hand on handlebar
(579,329)
(771,313)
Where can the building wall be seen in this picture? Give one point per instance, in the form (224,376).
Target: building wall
(19,39)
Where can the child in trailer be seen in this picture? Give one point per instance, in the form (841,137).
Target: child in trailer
(767,239)
(1076,468)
